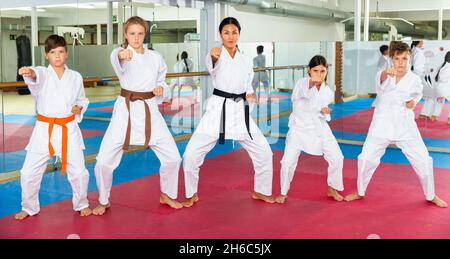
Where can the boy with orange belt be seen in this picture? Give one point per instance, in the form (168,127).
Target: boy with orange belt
(60,104)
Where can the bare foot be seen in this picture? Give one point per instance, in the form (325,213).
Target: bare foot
(164,199)
(85,212)
(353,196)
(334,194)
(100,209)
(280,198)
(21,215)
(448,121)
(190,201)
(439,202)
(260,196)
(433,118)
(423,117)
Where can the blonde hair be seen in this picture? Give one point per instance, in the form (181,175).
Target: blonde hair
(133,20)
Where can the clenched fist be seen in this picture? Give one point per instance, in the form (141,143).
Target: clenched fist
(314,82)
(410,104)
(77,109)
(250,97)
(215,54)
(27,72)
(391,72)
(325,110)
(158,91)
(125,54)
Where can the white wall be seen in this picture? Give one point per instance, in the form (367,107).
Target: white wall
(99,16)
(360,63)
(169,13)
(169,52)
(26,3)
(398,5)
(9,55)
(268,28)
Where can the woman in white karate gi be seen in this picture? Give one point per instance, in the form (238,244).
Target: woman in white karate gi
(60,104)
(442,88)
(309,131)
(393,123)
(227,116)
(136,119)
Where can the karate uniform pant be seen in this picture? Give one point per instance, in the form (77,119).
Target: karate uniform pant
(258,149)
(256,84)
(31,176)
(429,107)
(332,154)
(414,150)
(437,109)
(375,102)
(195,92)
(110,155)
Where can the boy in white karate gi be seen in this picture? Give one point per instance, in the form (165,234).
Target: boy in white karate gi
(393,122)
(60,103)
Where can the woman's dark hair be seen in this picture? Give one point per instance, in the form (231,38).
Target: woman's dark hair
(415,43)
(318,60)
(383,48)
(447,59)
(53,41)
(184,56)
(229,20)
(260,49)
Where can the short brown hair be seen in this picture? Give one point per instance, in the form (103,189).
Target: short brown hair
(53,41)
(398,47)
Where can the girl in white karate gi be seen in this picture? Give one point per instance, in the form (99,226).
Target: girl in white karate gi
(442,88)
(309,131)
(136,119)
(393,122)
(227,117)
(60,103)
(185,65)
(174,81)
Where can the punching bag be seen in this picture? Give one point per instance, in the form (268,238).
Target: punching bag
(23,59)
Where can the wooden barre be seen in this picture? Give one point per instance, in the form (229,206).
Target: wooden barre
(92,81)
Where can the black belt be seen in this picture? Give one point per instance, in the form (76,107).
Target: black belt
(236,98)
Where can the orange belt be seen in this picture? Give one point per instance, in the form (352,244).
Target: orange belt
(61,122)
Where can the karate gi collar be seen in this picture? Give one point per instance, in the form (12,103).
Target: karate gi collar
(227,54)
(53,72)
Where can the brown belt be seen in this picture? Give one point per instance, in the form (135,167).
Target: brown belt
(135,96)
